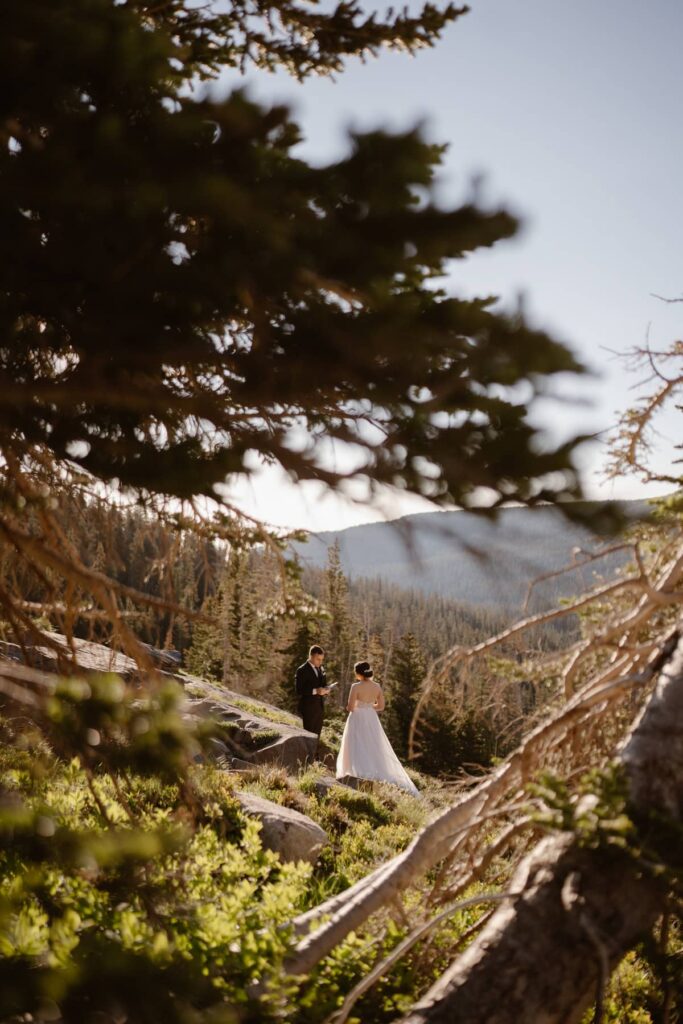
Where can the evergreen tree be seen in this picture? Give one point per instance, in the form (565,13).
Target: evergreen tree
(241,646)
(171,271)
(373,651)
(205,655)
(408,667)
(450,734)
(341,631)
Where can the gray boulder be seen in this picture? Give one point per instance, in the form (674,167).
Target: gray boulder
(285,831)
(90,656)
(218,751)
(294,748)
(324,784)
(247,720)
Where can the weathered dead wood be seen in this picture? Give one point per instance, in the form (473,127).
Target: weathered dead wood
(441,838)
(427,849)
(542,958)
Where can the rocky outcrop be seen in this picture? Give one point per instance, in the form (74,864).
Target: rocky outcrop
(91,657)
(251,730)
(294,748)
(324,784)
(285,831)
(256,732)
(261,734)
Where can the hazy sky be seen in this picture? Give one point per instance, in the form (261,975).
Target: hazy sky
(571,112)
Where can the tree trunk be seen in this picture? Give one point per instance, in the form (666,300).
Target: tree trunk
(544,956)
(346,912)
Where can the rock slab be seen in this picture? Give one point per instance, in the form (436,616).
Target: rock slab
(293,746)
(285,831)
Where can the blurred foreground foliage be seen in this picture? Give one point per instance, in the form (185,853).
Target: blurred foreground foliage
(183,298)
(132,885)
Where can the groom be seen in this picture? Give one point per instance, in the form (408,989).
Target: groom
(311,690)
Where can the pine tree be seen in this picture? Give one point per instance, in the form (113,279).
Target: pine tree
(204,657)
(171,271)
(243,646)
(373,651)
(408,667)
(341,632)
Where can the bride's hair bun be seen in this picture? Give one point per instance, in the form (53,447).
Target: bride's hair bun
(362,668)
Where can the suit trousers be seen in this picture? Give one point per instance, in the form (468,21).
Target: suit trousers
(311,710)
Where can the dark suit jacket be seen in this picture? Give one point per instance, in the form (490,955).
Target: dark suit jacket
(307,681)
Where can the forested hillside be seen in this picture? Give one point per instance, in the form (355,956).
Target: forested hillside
(220,610)
(472,559)
(175,570)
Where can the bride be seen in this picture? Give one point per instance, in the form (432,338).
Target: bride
(365,751)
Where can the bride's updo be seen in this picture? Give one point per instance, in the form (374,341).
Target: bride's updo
(362,668)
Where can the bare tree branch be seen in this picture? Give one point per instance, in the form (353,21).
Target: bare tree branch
(576,900)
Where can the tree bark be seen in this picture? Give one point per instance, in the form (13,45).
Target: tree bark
(544,956)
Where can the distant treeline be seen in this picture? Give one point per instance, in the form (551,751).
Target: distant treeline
(130,546)
(253,637)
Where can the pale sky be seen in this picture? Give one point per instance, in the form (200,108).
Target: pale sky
(571,113)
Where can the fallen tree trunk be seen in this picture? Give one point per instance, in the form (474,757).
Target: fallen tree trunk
(542,958)
(383,886)
(440,839)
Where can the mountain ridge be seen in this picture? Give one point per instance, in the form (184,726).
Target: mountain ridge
(473,558)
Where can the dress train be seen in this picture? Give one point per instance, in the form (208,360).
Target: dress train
(366,752)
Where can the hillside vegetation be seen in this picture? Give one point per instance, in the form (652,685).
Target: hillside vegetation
(163,874)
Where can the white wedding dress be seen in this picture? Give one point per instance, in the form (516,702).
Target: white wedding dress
(366,752)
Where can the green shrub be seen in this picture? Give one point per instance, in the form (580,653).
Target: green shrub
(150,891)
(363,806)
